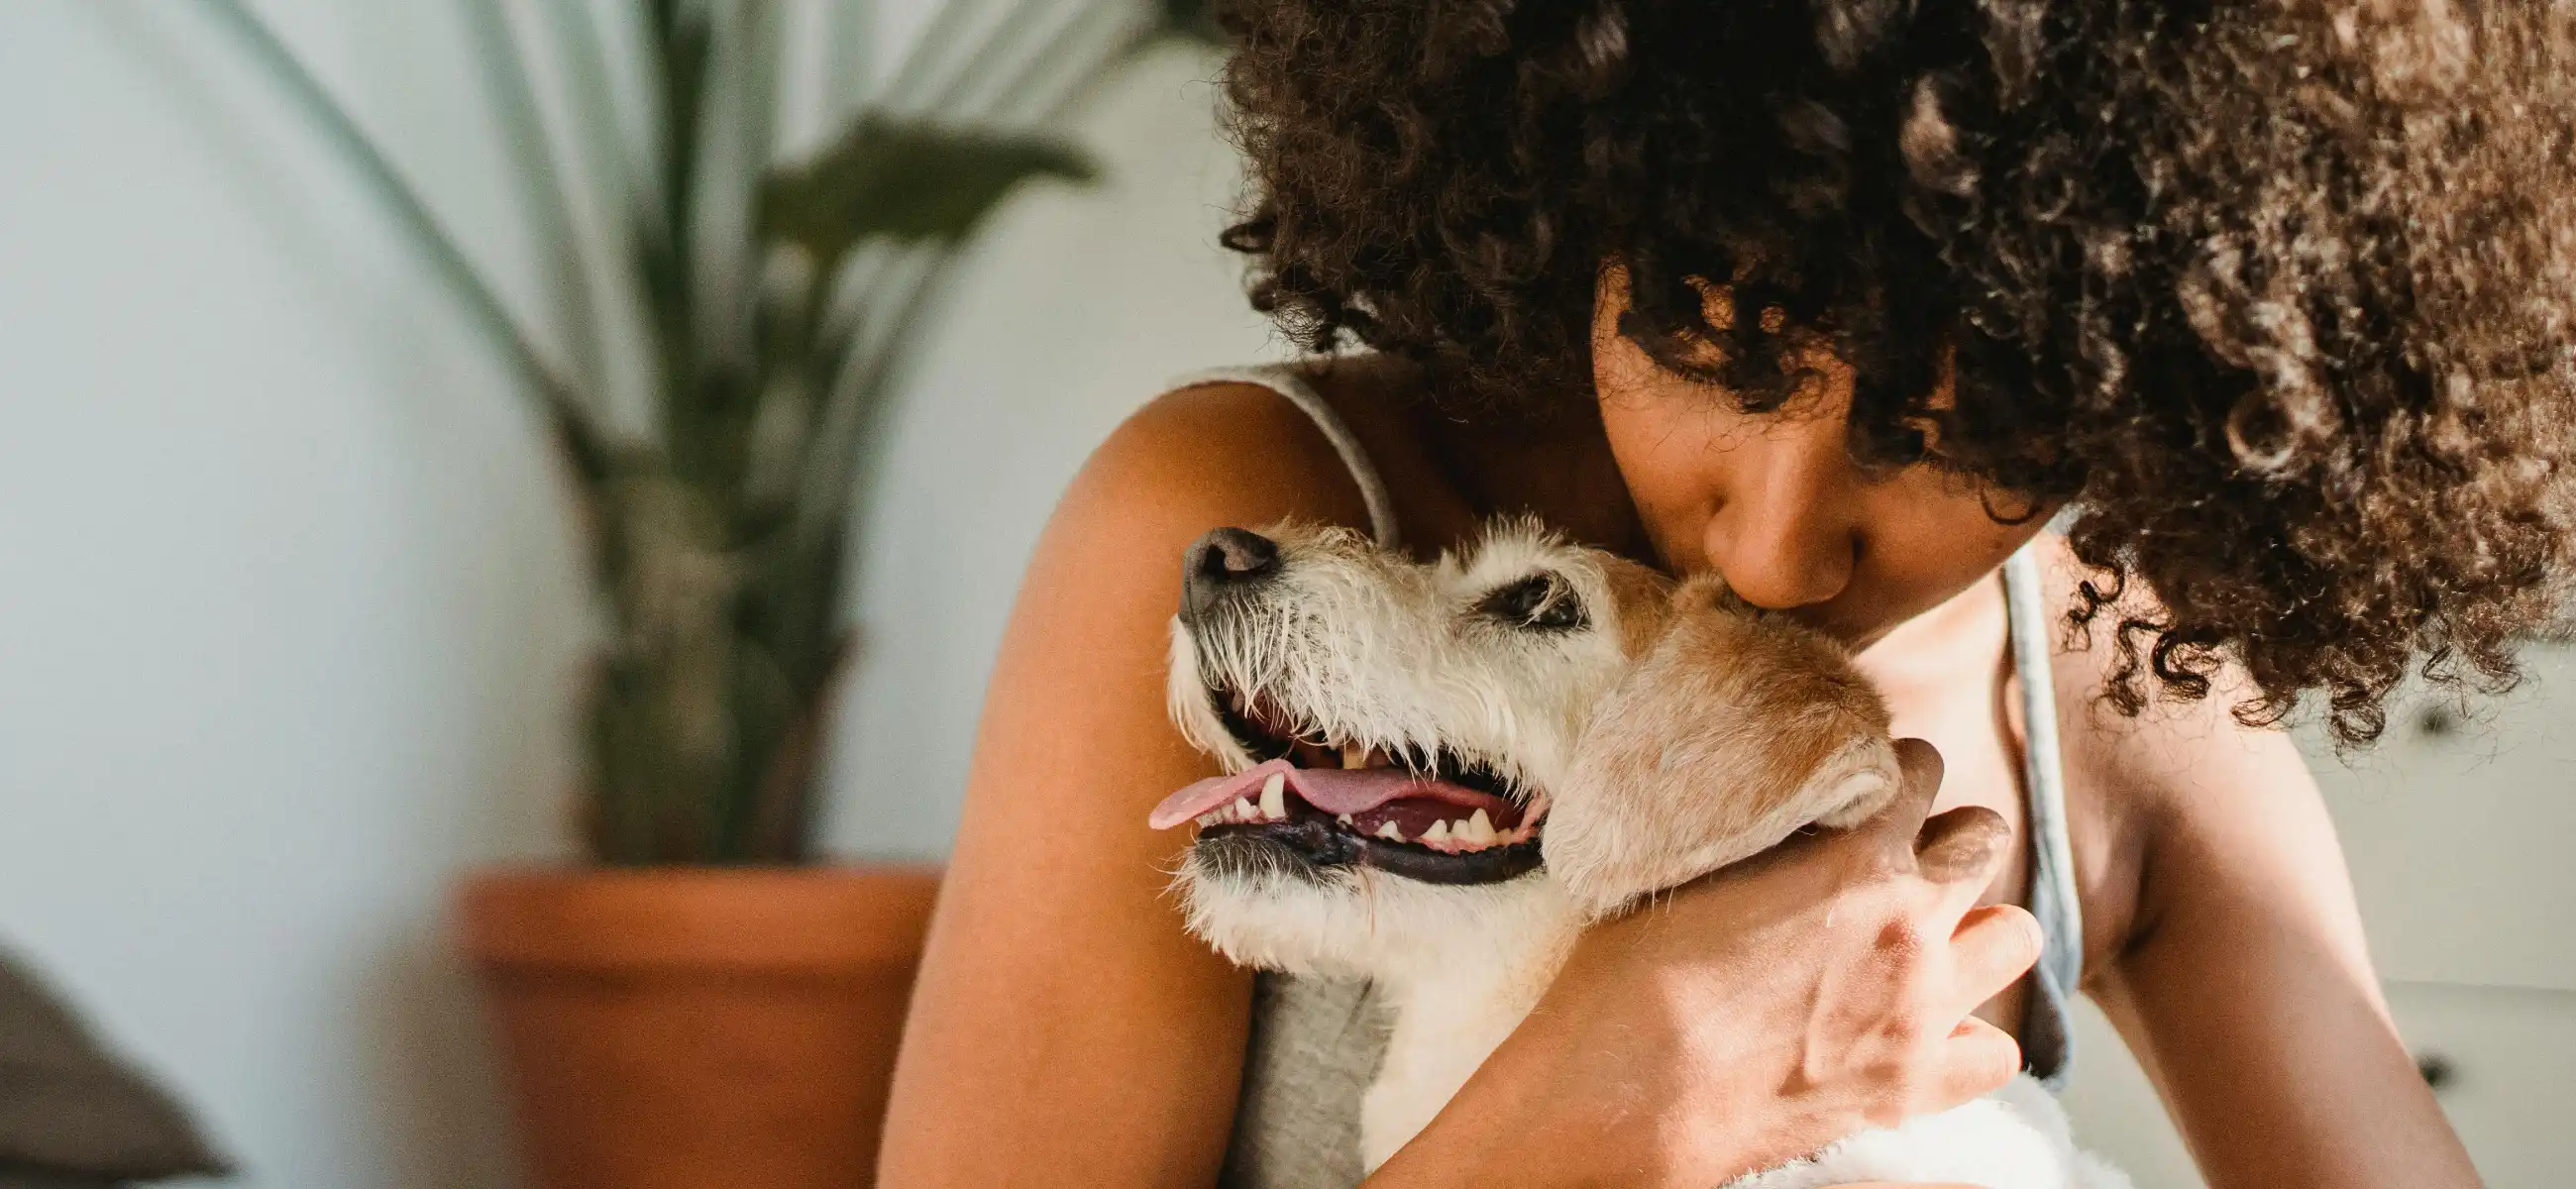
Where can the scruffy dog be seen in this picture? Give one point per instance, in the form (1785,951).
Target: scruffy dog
(1399,734)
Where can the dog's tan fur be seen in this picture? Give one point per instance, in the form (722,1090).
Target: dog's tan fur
(1729,732)
(1673,732)
(1645,600)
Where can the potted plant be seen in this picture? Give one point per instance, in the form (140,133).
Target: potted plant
(703,1005)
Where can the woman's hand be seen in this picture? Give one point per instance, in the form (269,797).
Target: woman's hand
(1755,1016)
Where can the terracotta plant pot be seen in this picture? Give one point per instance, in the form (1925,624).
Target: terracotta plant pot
(698,1028)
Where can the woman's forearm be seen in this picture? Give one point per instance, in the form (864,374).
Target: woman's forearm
(1514,1124)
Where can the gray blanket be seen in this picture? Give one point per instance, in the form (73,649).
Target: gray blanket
(71,1115)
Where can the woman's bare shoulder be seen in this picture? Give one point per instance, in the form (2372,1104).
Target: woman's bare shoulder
(1225,449)
(1060,1001)
(2138,785)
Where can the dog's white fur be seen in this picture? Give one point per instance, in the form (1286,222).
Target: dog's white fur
(1673,732)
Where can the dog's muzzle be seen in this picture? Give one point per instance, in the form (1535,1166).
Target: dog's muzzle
(1311,802)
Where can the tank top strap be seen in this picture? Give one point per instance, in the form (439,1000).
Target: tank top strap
(1289,381)
(2047,1038)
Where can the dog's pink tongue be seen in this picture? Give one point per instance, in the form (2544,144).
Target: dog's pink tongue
(1212,793)
(1333,790)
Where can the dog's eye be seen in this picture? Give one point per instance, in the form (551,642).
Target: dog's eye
(1539,601)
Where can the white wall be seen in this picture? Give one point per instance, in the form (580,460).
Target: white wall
(1086,302)
(289,613)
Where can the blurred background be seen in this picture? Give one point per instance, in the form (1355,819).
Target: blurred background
(300,601)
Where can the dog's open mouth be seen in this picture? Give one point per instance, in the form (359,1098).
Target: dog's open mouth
(1449,819)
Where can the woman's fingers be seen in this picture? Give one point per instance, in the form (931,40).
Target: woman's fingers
(1993,947)
(1979,1059)
(1958,854)
(1960,851)
(1919,766)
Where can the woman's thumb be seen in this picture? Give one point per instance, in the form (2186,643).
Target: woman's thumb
(1919,769)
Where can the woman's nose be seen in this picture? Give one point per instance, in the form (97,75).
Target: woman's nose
(1787,530)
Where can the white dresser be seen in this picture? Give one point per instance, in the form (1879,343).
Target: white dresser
(2462,838)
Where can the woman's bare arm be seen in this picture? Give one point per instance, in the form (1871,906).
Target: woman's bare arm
(2246,988)
(1065,1029)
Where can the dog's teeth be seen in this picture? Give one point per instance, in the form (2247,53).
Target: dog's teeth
(1244,810)
(1355,755)
(1212,818)
(1274,797)
(1439,832)
(1345,820)
(1389,830)
(1477,831)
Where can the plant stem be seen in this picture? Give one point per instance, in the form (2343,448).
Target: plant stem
(595,101)
(753,93)
(845,65)
(1018,28)
(557,401)
(945,27)
(836,461)
(506,67)
(1052,84)
(680,47)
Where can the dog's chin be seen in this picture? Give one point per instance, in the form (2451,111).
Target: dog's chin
(1271,916)
(1309,845)
(1263,905)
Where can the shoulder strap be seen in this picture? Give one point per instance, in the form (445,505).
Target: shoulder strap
(1290,382)
(2048,1041)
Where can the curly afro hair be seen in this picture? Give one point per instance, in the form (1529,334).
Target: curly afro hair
(2277,292)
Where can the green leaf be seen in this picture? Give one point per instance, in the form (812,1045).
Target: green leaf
(905,180)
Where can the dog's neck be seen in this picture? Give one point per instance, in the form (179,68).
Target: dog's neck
(1453,995)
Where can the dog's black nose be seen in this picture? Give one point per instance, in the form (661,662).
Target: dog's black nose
(1222,563)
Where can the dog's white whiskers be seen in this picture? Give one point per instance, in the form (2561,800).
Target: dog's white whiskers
(1683,720)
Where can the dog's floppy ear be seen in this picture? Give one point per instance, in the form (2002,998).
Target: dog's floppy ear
(1726,736)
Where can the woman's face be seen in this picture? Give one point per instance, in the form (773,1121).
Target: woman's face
(1774,503)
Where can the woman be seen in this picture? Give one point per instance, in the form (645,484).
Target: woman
(1843,300)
